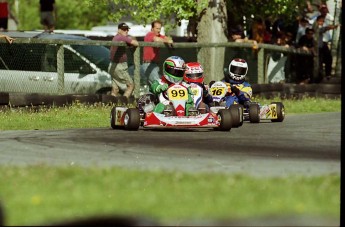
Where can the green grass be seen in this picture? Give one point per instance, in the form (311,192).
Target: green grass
(97,115)
(41,194)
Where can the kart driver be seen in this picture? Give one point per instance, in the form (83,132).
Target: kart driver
(239,90)
(173,71)
(194,76)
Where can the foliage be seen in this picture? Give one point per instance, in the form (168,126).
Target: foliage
(264,9)
(76,14)
(84,14)
(144,12)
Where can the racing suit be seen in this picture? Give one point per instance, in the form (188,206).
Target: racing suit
(238,93)
(162,85)
(202,100)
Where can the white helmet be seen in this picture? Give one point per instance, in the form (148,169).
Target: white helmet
(238,69)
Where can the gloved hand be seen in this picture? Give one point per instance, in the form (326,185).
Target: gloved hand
(204,90)
(235,90)
(211,83)
(162,87)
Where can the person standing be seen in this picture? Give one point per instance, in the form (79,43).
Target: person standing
(118,67)
(149,67)
(5,14)
(48,14)
(324,52)
(305,63)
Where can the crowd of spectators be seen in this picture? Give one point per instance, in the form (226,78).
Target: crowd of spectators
(311,31)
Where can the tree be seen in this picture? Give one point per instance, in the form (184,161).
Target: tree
(212,26)
(214,17)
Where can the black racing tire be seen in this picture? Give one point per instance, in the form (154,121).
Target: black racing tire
(236,111)
(132,119)
(225,120)
(280,112)
(254,113)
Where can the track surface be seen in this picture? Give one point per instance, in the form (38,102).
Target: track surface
(301,145)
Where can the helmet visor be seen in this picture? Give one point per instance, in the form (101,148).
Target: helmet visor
(173,71)
(238,70)
(194,75)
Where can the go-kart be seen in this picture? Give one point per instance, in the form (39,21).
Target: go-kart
(173,116)
(236,110)
(250,111)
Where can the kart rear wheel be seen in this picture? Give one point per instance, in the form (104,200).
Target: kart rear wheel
(236,111)
(254,113)
(132,119)
(280,112)
(225,120)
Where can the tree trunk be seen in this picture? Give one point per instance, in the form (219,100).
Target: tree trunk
(212,28)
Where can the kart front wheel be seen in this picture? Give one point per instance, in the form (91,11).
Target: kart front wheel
(236,111)
(254,113)
(132,119)
(225,120)
(280,112)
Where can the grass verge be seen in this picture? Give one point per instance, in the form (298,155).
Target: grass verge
(97,115)
(42,195)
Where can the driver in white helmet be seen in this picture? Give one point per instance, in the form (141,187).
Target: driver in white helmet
(239,90)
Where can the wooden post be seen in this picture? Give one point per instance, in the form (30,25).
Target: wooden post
(136,72)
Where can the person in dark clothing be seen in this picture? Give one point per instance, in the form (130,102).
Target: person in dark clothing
(48,14)
(305,62)
(5,15)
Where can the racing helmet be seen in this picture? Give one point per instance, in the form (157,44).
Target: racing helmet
(173,69)
(194,73)
(238,69)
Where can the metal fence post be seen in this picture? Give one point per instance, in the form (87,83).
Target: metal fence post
(61,69)
(261,66)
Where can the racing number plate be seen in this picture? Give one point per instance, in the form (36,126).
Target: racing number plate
(177,93)
(218,89)
(273,108)
(269,111)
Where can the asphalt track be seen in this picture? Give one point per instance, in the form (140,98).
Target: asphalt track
(304,144)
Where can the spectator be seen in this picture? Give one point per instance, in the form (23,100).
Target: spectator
(277,61)
(237,35)
(259,33)
(278,27)
(192,31)
(329,20)
(305,62)
(5,14)
(118,67)
(324,52)
(130,57)
(150,68)
(312,10)
(48,14)
(302,26)
(8,38)
(192,27)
